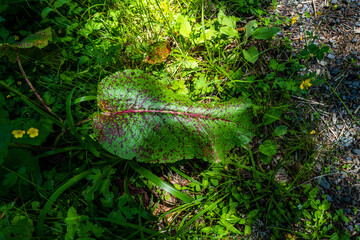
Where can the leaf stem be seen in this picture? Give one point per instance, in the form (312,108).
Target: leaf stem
(29,83)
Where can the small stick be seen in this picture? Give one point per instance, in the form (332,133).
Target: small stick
(314,9)
(29,83)
(308,101)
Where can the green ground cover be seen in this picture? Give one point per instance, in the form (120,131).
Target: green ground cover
(156,119)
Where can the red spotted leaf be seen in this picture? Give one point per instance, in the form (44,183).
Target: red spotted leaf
(142,119)
(158,53)
(39,39)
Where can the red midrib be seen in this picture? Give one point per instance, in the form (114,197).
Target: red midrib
(160,111)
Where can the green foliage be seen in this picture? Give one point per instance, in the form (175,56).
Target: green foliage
(193,61)
(4,130)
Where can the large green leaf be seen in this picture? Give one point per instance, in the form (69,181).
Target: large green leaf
(251,54)
(265,33)
(142,119)
(39,39)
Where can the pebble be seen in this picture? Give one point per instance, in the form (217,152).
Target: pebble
(334,71)
(356,151)
(357,24)
(333,1)
(347,82)
(330,56)
(356,83)
(324,183)
(354,52)
(329,198)
(354,40)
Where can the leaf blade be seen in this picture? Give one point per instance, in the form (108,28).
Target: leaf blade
(143,119)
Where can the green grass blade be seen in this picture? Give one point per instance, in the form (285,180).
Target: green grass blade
(160,183)
(184,175)
(84,99)
(133,226)
(71,124)
(197,216)
(54,196)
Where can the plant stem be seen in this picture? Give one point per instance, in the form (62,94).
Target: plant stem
(29,83)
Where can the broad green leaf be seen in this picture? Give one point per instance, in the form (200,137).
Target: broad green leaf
(280,130)
(72,221)
(231,32)
(249,28)
(229,21)
(251,55)
(265,33)
(185,28)
(209,34)
(46,12)
(247,231)
(268,148)
(39,39)
(271,116)
(59,3)
(143,119)
(22,228)
(273,64)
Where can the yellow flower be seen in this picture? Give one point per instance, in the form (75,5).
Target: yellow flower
(8,96)
(290,236)
(164,7)
(33,132)
(305,84)
(312,132)
(293,20)
(335,6)
(18,133)
(19,82)
(300,38)
(16,37)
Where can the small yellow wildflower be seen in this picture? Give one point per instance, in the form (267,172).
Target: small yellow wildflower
(293,20)
(18,133)
(300,38)
(335,6)
(312,132)
(290,236)
(8,96)
(305,84)
(16,37)
(319,13)
(19,82)
(164,7)
(33,132)
(59,31)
